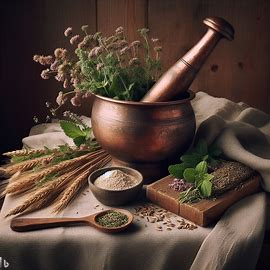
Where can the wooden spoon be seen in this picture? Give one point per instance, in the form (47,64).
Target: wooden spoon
(30,224)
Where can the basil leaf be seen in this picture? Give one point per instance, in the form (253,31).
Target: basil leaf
(177,170)
(201,168)
(71,129)
(206,188)
(79,140)
(190,175)
(207,177)
(191,160)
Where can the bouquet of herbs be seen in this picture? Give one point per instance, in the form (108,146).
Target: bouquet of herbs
(107,66)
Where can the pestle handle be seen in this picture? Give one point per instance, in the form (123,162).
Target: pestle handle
(221,26)
(180,76)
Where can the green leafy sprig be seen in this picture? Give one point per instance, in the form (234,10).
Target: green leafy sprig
(201,152)
(194,169)
(200,178)
(77,130)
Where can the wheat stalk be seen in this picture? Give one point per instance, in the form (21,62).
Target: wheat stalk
(29,180)
(24,152)
(27,165)
(70,192)
(43,194)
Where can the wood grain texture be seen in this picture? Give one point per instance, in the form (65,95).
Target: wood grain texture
(203,212)
(130,14)
(237,70)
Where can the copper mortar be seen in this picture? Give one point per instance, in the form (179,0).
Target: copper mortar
(144,136)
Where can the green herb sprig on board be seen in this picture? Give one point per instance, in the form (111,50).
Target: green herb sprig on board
(201,152)
(194,169)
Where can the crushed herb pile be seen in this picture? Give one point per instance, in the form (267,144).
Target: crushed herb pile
(112,219)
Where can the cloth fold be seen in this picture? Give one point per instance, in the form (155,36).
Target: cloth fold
(243,133)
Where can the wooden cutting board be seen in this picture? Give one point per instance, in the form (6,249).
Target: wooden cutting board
(205,211)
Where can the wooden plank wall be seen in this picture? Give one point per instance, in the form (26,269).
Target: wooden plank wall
(237,70)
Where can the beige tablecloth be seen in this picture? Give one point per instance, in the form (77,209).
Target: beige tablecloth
(233,243)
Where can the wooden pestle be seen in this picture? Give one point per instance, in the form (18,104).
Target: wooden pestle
(180,76)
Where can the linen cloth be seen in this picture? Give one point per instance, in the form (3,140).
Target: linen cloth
(243,133)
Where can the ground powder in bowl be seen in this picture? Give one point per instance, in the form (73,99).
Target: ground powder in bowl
(115,180)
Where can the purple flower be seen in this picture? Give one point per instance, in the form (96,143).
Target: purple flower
(180,185)
(68,31)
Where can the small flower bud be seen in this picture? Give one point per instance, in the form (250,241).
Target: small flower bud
(36,58)
(48,60)
(74,39)
(96,35)
(48,118)
(155,40)
(35,119)
(68,31)
(54,65)
(87,94)
(119,30)
(84,28)
(143,31)
(45,74)
(59,53)
(124,50)
(134,61)
(53,112)
(122,44)
(76,101)
(82,45)
(60,98)
(48,104)
(59,77)
(66,83)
